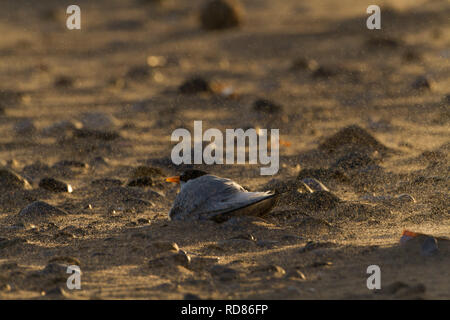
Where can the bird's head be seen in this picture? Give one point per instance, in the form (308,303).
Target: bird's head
(186,176)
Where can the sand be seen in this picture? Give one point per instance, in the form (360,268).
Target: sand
(115,109)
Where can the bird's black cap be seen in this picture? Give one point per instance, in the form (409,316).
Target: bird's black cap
(191,174)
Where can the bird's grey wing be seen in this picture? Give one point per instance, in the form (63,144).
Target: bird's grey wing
(243,203)
(199,194)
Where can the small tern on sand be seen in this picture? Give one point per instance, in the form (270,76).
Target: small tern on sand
(205,196)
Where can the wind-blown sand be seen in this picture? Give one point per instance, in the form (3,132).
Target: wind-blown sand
(395,142)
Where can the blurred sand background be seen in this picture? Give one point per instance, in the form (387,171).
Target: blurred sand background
(315,59)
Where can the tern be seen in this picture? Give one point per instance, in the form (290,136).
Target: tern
(205,196)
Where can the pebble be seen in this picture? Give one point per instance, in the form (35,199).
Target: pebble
(429,247)
(176,259)
(40,209)
(143,221)
(56,293)
(25,127)
(195,85)
(11,180)
(71,164)
(295,275)
(139,72)
(163,246)
(315,185)
(54,185)
(267,106)
(59,129)
(313,245)
(55,268)
(406,198)
(274,270)
(221,14)
(191,296)
(64,82)
(224,273)
(98,121)
(5,287)
(65,259)
(304,64)
(421,83)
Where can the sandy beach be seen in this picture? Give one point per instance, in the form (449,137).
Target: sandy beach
(86,118)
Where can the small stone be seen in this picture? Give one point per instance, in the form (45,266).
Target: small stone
(98,121)
(267,243)
(25,127)
(64,82)
(57,293)
(175,259)
(245,236)
(72,164)
(315,184)
(9,180)
(55,269)
(296,275)
(65,259)
(59,129)
(421,83)
(40,209)
(224,273)
(406,198)
(273,270)
(164,246)
(143,221)
(139,72)
(429,247)
(304,64)
(324,72)
(267,106)
(195,85)
(5,287)
(221,14)
(191,296)
(312,245)
(54,185)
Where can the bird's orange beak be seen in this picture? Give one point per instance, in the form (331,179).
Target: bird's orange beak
(175,179)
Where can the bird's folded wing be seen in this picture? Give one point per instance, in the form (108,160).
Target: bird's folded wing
(201,193)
